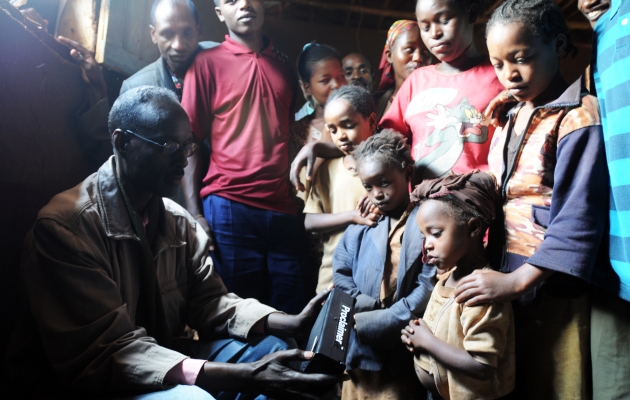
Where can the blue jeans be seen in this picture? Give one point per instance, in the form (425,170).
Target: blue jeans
(223,350)
(260,253)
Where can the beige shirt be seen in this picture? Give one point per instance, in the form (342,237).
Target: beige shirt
(486,332)
(335,189)
(390,270)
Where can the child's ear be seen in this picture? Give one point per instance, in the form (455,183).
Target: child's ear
(306,88)
(561,44)
(475,227)
(373,120)
(409,172)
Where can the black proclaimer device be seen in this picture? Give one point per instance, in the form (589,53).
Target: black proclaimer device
(330,335)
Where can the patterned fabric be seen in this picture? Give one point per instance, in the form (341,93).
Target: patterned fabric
(442,115)
(385,68)
(611,73)
(527,184)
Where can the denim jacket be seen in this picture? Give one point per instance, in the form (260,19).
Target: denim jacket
(358,265)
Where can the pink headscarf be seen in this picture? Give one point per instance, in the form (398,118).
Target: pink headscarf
(385,68)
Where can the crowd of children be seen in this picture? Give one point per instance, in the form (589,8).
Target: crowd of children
(475,285)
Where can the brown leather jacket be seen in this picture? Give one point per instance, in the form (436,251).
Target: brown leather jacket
(80,286)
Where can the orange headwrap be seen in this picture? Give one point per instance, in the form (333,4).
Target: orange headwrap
(385,68)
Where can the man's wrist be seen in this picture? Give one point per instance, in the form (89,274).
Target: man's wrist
(215,377)
(280,324)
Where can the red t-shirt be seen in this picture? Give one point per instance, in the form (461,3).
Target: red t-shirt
(242,100)
(442,114)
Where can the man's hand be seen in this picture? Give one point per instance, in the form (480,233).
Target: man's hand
(297,326)
(496,110)
(486,286)
(90,70)
(416,335)
(273,377)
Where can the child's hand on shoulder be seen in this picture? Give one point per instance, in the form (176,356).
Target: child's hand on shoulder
(366,207)
(371,219)
(416,335)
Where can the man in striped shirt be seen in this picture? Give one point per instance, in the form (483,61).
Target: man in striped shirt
(610,316)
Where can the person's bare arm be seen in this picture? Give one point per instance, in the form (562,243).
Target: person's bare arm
(496,110)
(191,186)
(323,222)
(418,337)
(307,156)
(90,70)
(484,286)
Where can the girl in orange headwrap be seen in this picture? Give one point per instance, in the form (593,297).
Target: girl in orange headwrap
(404,52)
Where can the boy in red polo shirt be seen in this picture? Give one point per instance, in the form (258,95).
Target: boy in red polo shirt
(240,96)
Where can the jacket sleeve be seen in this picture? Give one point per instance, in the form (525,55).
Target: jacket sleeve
(344,260)
(86,332)
(381,328)
(579,206)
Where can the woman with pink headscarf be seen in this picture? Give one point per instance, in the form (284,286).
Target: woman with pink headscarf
(404,52)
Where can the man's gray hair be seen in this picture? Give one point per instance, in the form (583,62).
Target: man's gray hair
(145,109)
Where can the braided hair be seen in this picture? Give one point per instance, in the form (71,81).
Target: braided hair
(311,54)
(543,18)
(357,97)
(388,147)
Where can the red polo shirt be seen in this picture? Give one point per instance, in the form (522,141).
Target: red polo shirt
(242,100)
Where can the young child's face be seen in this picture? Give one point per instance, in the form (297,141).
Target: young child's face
(243,17)
(387,186)
(408,53)
(347,127)
(446,30)
(445,241)
(327,77)
(524,64)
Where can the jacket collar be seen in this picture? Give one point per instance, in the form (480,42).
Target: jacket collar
(236,48)
(115,216)
(412,238)
(163,72)
(571,97)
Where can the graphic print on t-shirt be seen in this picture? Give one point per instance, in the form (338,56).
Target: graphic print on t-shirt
(452,128)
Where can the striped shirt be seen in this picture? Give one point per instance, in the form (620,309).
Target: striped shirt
(612,82)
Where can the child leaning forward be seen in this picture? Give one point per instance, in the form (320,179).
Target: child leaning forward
(461,352)
(350,116)
(382,268)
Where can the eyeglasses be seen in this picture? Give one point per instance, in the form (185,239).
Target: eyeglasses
(169,147)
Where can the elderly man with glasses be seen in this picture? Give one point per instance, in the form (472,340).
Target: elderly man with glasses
(113,272)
